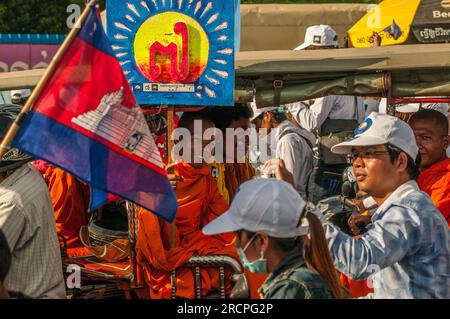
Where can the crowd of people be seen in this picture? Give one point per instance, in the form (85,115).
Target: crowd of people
(394,243)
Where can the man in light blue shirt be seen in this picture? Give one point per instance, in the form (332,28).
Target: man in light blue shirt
(406,253)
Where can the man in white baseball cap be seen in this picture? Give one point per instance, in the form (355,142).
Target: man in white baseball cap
(319,36)
(407,249)
(324,117)
(273,224)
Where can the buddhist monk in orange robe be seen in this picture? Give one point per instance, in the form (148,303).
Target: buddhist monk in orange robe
(435,181)
(70,199)
(239,170)
(199,203)
(431,131)
(236,167)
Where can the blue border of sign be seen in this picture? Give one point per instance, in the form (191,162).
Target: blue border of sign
(132,13)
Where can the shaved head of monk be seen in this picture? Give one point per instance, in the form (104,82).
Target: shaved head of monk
(431,131)
(197,123)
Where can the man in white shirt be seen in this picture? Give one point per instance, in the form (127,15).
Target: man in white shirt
(28,223)
(406,251)
(315,115)
(335,107)
(293,145)
(311,115)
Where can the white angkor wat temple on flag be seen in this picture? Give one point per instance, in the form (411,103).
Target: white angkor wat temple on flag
(122,126)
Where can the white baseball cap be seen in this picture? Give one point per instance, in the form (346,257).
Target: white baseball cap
(415,107)
(22,93)
(379,129)
(257,112)
(319,35)
(265,205)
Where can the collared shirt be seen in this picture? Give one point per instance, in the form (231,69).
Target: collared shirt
(339,107)
(406,252)
(293,280)
(26,219)
(294,148)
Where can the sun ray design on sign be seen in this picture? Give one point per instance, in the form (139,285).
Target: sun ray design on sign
(129,18)
(227,51)
(213,18)
(133,8)
(117,48)
(125,62)
(207,8)
(212,80)
(198,6)
(120,36)
(223,26)
(144,4)
(121,26)
(210,92)
(222,74)
(133,13)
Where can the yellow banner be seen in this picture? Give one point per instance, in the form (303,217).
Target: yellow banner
(391,19)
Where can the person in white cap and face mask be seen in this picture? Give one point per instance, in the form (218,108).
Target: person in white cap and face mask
(279,233)
(317,116)
(407,249)
(291,144)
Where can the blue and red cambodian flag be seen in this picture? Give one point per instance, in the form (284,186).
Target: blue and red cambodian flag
(86,121)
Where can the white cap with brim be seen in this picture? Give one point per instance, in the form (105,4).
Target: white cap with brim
(415,107)
(380,129)
(257,112)
(263,205)
(319,35)
(23,93)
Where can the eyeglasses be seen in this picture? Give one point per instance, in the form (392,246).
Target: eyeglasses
(364,155)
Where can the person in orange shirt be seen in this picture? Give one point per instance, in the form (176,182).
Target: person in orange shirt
(70,198)
(431,131)
(160,250)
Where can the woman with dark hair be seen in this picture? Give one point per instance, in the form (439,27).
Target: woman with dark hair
(280,234)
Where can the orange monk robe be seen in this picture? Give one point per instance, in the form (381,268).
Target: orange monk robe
(199,203)
(435,181)
(237,174)
(70,200)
